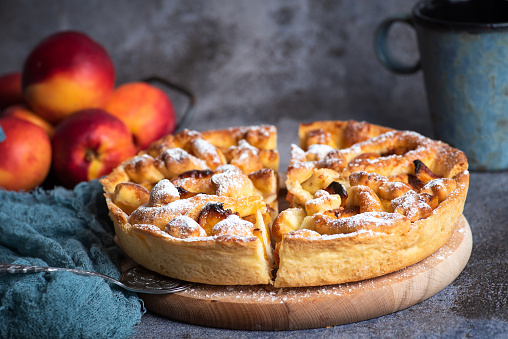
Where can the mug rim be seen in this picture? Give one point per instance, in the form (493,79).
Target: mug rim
(457,25)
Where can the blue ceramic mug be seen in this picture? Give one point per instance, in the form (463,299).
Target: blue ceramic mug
(464,57)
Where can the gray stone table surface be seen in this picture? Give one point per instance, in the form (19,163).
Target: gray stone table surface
(474,305)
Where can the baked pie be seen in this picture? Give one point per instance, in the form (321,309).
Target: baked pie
(365,200)
(198,206)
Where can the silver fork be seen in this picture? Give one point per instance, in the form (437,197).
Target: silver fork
(136,279)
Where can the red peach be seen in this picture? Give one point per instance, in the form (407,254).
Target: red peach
(22,111)
(25,152)
(89,144)
(145,109)
(65,73)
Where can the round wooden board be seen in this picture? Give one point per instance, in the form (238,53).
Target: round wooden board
(268,308)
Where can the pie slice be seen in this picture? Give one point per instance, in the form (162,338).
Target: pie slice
(365,201)
(198,206)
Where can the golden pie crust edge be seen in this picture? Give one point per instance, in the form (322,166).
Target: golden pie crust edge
(229,260)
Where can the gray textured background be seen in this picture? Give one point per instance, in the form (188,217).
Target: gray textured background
(248,62)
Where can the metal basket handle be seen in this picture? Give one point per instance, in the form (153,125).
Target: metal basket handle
(188,114)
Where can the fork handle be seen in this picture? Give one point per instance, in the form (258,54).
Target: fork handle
(14,268)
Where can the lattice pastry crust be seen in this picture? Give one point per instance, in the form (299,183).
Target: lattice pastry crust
(198,206)
(365,201)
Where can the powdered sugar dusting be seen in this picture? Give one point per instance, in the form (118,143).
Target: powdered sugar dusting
(244,145)
(227,181)
(228,168)
(165,188)
(297,154)
(180,155)
(203,147)
(177,154)
(411,203)
(365,223)
(184,227)
(138,158)
(436,184)
(233,225)
(177,207)
(319,150)
(308,165)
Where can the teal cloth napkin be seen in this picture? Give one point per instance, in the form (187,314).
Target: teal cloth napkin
(64,228)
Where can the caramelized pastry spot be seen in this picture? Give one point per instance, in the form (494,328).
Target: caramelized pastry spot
(195,181)
(346,212)
(415,183)
(423,173)
(233,225)
(129,196)
(196,174)
(338,188)
(163,193)
(211,214)
(184,227)
(184,194)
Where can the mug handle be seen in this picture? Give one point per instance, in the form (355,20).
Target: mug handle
(383,52)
